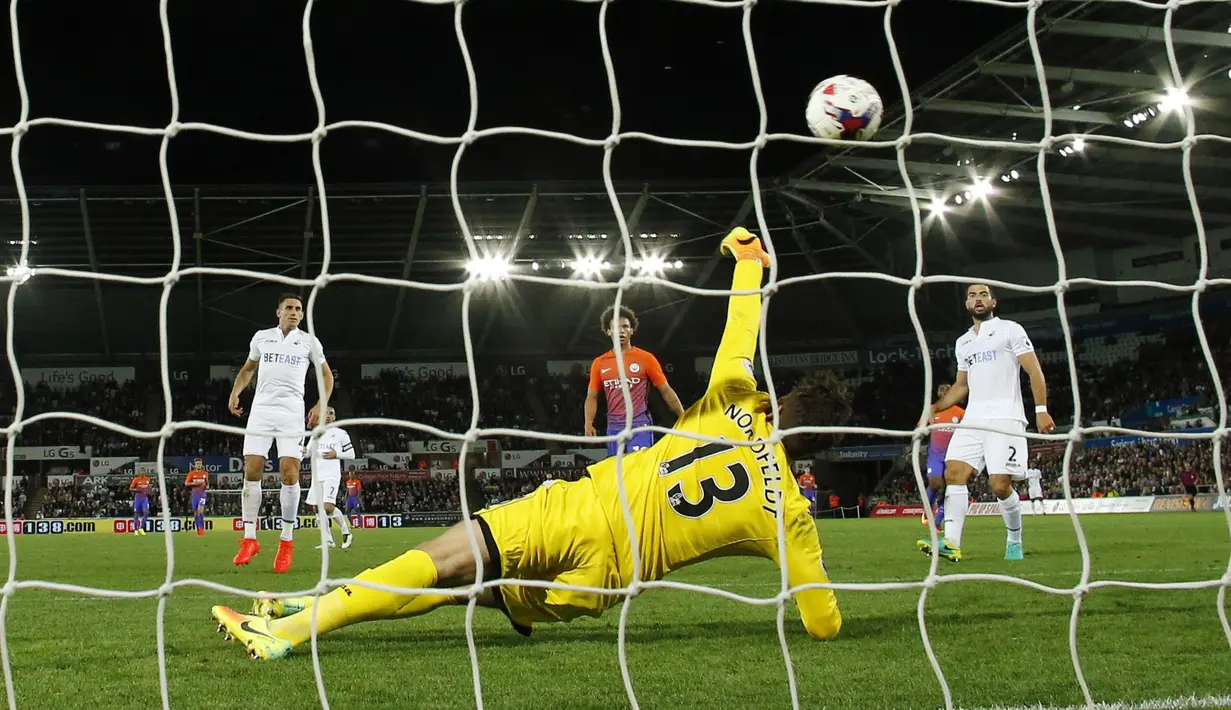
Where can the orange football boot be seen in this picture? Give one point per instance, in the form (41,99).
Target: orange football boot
(286,550)
(248,548)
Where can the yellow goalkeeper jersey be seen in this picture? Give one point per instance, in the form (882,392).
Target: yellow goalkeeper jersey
(692,500)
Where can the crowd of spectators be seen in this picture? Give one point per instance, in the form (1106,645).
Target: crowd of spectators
(1167,368)
(123,404)
(888,396)
(1146,468)
(112,499)
(445,403)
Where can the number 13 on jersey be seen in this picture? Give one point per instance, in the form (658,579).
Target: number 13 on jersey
(713,491)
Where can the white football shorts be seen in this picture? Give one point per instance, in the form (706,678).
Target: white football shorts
(289,447)
(329,486)
(1035,488)
(997,453)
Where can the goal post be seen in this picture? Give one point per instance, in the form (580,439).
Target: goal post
(742,11)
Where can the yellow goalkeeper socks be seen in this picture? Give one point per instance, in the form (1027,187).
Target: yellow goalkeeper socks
(421,604)
(424,603)
(351,604)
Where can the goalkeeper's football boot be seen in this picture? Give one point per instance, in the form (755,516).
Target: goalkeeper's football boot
(248,548)
(347,540)
(1013,551)
(953,554)
(742,244)
(280,608)
(253,632)
(286,552)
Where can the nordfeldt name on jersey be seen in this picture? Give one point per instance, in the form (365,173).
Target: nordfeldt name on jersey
(771,471)
(283,367)
(990,359)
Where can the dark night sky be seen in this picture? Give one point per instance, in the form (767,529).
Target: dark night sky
(682,72)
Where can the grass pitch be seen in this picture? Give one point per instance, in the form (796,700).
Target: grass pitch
(998,644)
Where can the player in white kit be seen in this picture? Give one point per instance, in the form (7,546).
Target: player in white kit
(990,357)
(279,357)
(332,446)
(1034,490)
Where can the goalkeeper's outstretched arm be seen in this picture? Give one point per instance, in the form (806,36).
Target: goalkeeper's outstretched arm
(733,361)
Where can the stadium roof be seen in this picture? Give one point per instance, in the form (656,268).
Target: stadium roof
(1107,75)
(845,210)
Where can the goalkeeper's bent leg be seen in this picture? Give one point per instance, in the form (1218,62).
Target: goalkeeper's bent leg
(417,606)
(446,561)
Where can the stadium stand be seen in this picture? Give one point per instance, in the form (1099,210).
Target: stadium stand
(1119,373)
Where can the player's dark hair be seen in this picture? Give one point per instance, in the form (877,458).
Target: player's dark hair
(990,292)
(604,321)
(287,297)
(822,400)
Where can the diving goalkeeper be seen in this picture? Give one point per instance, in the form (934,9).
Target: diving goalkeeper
(690,501)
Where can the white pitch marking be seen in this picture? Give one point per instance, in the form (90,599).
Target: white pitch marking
(1181,703)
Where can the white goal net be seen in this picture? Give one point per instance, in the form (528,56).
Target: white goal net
(741,11)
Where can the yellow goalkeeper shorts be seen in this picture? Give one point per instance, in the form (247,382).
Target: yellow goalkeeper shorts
(559,533)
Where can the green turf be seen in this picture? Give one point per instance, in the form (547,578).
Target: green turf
(998,644)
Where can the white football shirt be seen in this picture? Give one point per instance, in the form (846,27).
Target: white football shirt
(1034,475)
(990,360)
(282,368)
(334,439)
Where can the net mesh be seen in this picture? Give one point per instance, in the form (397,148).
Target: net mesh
(473,433)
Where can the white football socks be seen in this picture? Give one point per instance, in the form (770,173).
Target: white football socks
(250,507)
(339,519)
(289,497)
(957,500)
(1011,511)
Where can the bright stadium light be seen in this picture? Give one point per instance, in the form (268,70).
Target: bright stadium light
(981,188)
(586,266)
(1176,98)
(938,205)
(488,268)
(20,272)
(1077,146)
(655,264)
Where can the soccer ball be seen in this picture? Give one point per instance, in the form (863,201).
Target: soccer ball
(844,107)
